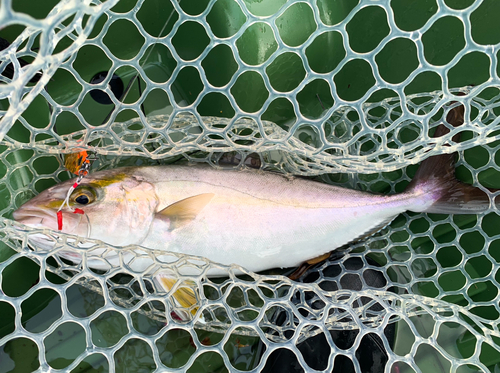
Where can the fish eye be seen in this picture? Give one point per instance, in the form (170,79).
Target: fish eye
(84,195)
(82,199)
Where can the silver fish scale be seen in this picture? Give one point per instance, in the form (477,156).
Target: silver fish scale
(433,278)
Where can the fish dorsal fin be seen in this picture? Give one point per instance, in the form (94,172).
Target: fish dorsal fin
(185,211)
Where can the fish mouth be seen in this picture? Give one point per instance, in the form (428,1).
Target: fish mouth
(35,218)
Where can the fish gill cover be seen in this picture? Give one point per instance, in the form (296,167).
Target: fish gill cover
(348,90)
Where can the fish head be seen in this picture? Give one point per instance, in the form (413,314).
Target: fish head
(118,208)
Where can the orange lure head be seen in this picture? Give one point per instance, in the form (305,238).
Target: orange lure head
(77,162)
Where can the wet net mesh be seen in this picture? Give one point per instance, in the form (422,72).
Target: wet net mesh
(345,92)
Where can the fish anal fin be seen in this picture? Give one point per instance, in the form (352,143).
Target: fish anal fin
(370,232)
(301,270)
(304,267)
(185,211)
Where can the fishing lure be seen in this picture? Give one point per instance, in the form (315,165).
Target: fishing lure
(79,164)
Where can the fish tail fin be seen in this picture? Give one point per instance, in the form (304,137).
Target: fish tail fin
(435,179)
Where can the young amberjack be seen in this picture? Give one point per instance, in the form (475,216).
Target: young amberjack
(255,219)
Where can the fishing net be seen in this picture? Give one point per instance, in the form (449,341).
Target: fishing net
(345,92)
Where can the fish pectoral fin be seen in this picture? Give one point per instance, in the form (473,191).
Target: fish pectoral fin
(185,211)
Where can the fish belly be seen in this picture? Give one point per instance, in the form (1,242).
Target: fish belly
(269,238)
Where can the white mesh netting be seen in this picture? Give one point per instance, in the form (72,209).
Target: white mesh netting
(349,88)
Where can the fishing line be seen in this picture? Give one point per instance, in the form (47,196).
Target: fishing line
(89,227)
(82,172)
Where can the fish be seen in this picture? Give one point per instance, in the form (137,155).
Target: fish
(256,219)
